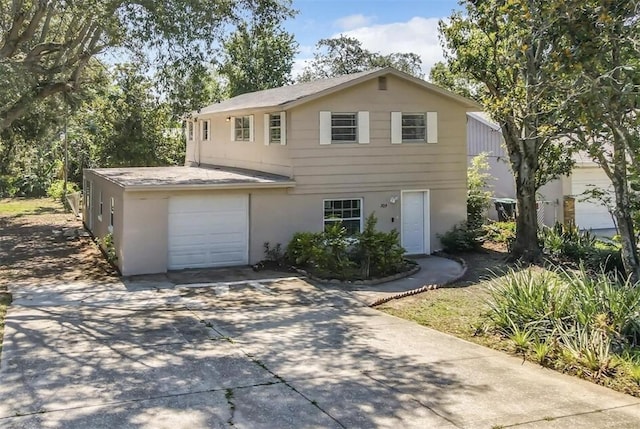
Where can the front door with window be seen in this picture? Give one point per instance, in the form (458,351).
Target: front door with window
(415,222)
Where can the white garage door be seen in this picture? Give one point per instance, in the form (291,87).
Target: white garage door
(590,215)
(208,231)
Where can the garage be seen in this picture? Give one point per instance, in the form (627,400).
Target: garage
(208,231)
(590,214)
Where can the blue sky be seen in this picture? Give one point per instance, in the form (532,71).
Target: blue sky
(381,25)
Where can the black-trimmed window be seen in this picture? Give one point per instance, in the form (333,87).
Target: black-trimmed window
(205,130)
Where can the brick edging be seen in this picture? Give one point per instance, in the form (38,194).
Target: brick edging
(426,288)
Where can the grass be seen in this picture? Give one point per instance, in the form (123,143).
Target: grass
(459,311)
(17,207)
(463,311)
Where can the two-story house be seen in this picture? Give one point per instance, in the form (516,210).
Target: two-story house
(264,165)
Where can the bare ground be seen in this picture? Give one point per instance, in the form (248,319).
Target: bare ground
(30,251)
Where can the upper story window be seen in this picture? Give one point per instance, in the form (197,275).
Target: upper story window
(205,130)
(344,127)
(242,128)
(346,211)
(190,130)
(275,128)
(414,127)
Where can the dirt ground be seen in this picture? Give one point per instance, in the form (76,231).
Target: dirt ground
(29,248)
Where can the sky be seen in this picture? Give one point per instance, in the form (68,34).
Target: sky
(383,26)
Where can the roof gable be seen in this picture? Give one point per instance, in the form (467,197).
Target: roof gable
(288,96)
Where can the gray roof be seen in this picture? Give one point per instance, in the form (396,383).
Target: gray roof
(485,118)
(285,95)
(148,178)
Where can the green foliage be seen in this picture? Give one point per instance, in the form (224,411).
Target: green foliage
(334,254)
(461,238)
(500,232)
(109,248)
(344,55)
(478,197)
(569,244)
(258,55)
(584,322)
(502,48)
(56,189)
(379,253)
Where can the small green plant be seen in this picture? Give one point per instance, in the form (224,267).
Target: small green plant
(274,254)
(109,247)
(541,351)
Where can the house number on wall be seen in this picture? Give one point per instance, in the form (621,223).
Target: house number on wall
(383,205)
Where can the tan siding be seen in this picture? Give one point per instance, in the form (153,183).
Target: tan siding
(254,155)
(379,163)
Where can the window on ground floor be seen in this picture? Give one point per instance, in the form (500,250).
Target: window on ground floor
(112,211)
(242,128)
(347,211)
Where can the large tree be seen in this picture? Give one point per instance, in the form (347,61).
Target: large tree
(46,45)
(259,54)
(344,55)
(596,49)
(504,46)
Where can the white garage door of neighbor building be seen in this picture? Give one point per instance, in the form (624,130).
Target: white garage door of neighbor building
(590,215)
(208,231)
(415,222)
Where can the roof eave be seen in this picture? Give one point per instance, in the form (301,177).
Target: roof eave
(207,186)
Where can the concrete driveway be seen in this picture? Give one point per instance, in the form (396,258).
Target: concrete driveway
(271,353)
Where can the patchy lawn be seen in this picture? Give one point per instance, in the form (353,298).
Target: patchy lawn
(30,251)
(459,308)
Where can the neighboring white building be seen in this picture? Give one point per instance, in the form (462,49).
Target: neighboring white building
(484,135)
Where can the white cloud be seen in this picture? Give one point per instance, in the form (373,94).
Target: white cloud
(418,35)
(351,22)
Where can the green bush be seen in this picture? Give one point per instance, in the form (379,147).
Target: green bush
(461,238)
(378,253)
(500,232)
(333,253)
(8,188)
(56,189)
(586,319)
(569,244)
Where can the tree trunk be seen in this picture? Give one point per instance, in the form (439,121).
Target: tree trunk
(526,247)
(626,230)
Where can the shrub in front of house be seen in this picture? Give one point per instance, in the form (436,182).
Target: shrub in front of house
(334,253)
(567,244)
(461,238)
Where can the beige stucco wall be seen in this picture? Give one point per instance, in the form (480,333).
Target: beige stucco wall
(99,226)
(252,155)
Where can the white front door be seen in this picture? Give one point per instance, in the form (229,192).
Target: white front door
(208,231)
(415,222)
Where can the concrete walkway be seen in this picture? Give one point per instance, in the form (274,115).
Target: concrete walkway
(434,270)
(277,353)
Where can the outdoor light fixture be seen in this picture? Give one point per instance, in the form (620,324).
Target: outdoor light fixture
(393,199)
(228,118)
